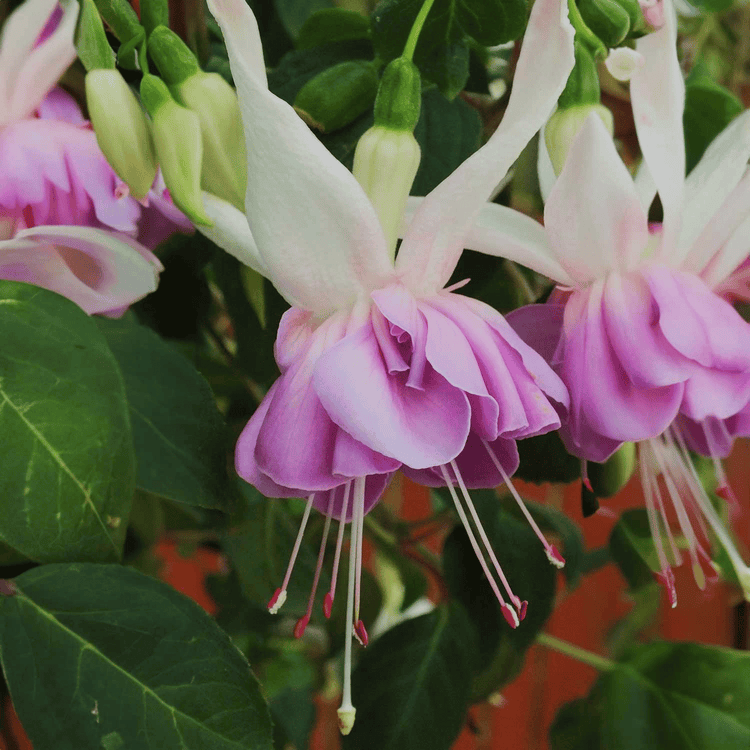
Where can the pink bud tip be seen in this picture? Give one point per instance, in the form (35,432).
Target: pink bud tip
(510,615)
(522,610)
(327,605)
(555,557)
(587,484)
(299,628)
(361,633)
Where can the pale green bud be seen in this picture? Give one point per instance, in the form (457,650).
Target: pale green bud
(177,136)
(214,101)
(399,96)
(121,129)
(609,478)
(563,127)
(385,164)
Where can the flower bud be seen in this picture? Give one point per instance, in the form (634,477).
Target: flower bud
(385,164)
(177,136)
(399,96)
(609,478)
(121,129)
(338,95)
(563,127)
(607,19)
(582,86)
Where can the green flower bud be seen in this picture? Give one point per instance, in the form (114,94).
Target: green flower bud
(214,101)
(121,129)
(563,127)
(583,83)
(635,13)
(399,96)
(338,95)
(607,19)
(177,136)
(172,56)
(385,164)
(609,478)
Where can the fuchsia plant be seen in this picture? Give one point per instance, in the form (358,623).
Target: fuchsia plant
(66,221)
(382,367)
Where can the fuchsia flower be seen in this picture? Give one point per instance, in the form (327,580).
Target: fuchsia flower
(635,330)
(52,173)
(382,367)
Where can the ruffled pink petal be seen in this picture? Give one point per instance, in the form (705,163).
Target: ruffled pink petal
(698,323)
(374,486)
(715,393)
(420,427)
(540,326)
(60,105)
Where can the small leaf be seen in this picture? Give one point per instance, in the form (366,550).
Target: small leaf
(577,726)
(102,656)
(332,25)
(544,459)
(179,434)
(68,465)
(411,686)
(678,695)
(91,42)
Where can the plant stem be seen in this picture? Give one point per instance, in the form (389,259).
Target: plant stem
(416,29)
(574,652)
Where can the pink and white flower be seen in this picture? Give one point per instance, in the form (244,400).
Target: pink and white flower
(382,366)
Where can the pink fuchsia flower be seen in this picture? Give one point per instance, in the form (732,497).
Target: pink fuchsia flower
(382,366)
(635,328)
(52,173)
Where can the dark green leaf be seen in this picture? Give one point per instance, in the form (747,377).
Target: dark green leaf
(678,695)
(179,434)
(709,108)
(531,576)
(294,13)
(448,133)
(260,549)
(632,548)
(442,53)
(712,6)
(103,657)
(411,686)
(293,713)
(577,726)
(68,465)
(544,459)
(332,25)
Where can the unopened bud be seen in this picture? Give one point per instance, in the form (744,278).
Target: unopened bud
(121,129)
(607,19)
(399,96)
(563,127)
(177,137)
(385,164)
(338,95)
(582,86)
(224,171)
(172,56)
(609,478)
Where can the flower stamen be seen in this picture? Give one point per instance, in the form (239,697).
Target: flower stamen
(328,601)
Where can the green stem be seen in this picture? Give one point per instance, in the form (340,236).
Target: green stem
(587,36)
(416,29)
(574,652)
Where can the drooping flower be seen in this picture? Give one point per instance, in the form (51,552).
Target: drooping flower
(634,328)
(382,367)
(52,173)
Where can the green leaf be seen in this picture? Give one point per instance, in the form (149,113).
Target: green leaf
(544,459)
(712,6)
(294,13)
(332,25)
(91,42)
(179,434)
(260,548)
(448,133)
(411,686)
(709,108)
(531,576)
(678,695)
(442,53)
(577,726)
(65,443)
(100,656)
(632,548)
